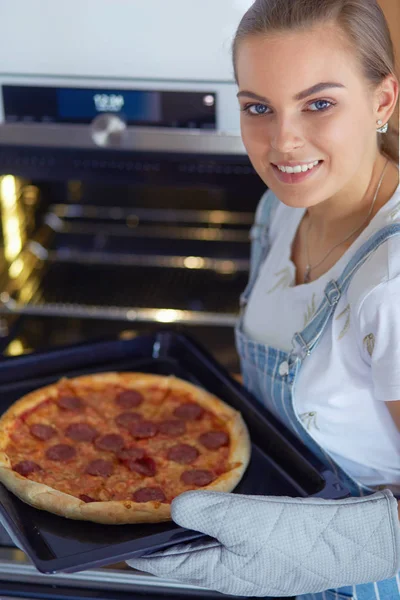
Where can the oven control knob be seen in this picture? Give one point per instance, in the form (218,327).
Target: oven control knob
(108,130)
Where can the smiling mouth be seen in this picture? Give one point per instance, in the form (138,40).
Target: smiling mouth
(303,164)
(297,177)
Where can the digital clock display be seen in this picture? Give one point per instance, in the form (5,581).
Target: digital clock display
(132,105)
(108,102)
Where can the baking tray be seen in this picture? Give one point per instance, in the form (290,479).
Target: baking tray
(280,464)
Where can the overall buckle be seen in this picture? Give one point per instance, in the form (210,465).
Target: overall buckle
(332,293)
(300,341)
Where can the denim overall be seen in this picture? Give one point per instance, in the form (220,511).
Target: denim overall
(270,375)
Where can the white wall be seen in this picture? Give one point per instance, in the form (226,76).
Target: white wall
(172,39)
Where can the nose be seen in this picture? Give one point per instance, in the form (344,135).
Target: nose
(284,137)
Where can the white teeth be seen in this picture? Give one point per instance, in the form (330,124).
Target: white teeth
(298,168)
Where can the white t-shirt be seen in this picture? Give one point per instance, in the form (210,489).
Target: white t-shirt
(342,386)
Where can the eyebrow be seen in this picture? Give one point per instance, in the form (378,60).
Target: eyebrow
(314,89)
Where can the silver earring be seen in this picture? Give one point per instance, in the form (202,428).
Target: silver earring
(382,129)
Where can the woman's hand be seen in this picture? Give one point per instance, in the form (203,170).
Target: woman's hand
(281,546)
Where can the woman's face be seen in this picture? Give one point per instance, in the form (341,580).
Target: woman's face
(336,125)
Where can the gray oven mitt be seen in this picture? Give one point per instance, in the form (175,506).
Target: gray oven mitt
(281,546)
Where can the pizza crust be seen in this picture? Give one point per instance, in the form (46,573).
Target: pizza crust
(46,498)
(49,499)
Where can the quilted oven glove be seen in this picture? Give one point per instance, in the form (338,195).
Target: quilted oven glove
(281,546)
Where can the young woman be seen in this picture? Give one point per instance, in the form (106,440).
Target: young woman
(319,331)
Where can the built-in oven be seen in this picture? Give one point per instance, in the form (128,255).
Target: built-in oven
(124,210)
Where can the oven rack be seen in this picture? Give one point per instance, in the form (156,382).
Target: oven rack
(162,215)
(116,313)
(93,231)
(204,234)
(88,286)
(139,265)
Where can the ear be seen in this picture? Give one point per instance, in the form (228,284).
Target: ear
(386,96)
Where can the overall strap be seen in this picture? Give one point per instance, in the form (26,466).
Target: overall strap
(259,239)
(305,342)
(309,337)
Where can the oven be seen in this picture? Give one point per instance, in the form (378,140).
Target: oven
(115,227)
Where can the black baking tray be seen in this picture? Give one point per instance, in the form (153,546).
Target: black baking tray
(280,464)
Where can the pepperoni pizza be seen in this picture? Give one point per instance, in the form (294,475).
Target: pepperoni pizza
(118,447)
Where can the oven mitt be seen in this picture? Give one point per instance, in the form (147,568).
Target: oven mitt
(281,546)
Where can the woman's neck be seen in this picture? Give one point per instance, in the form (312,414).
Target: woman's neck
(347,209)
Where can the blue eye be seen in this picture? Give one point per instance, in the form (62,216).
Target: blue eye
(323,108)
(259,109)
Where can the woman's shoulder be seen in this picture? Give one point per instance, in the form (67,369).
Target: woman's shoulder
(274,213)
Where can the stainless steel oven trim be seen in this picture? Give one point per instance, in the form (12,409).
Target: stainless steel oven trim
(137,139)
(109,578)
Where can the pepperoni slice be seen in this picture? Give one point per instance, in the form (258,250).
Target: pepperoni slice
(172,427)
(183,454)
(70,403)
(130,454)
(42,432)
(112,442)
(129,399)
(103,468)
(126,419)
(148,494)
(143,429)
(145,466)
(197,477)
(213,440)
(190,411)
(86,498)
(81,432)
(26,467)
(60,452)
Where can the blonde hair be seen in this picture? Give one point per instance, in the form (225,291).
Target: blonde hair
(361,20)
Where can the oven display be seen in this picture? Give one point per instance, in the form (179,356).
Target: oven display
(134,106)
(108,102)
(182,109)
